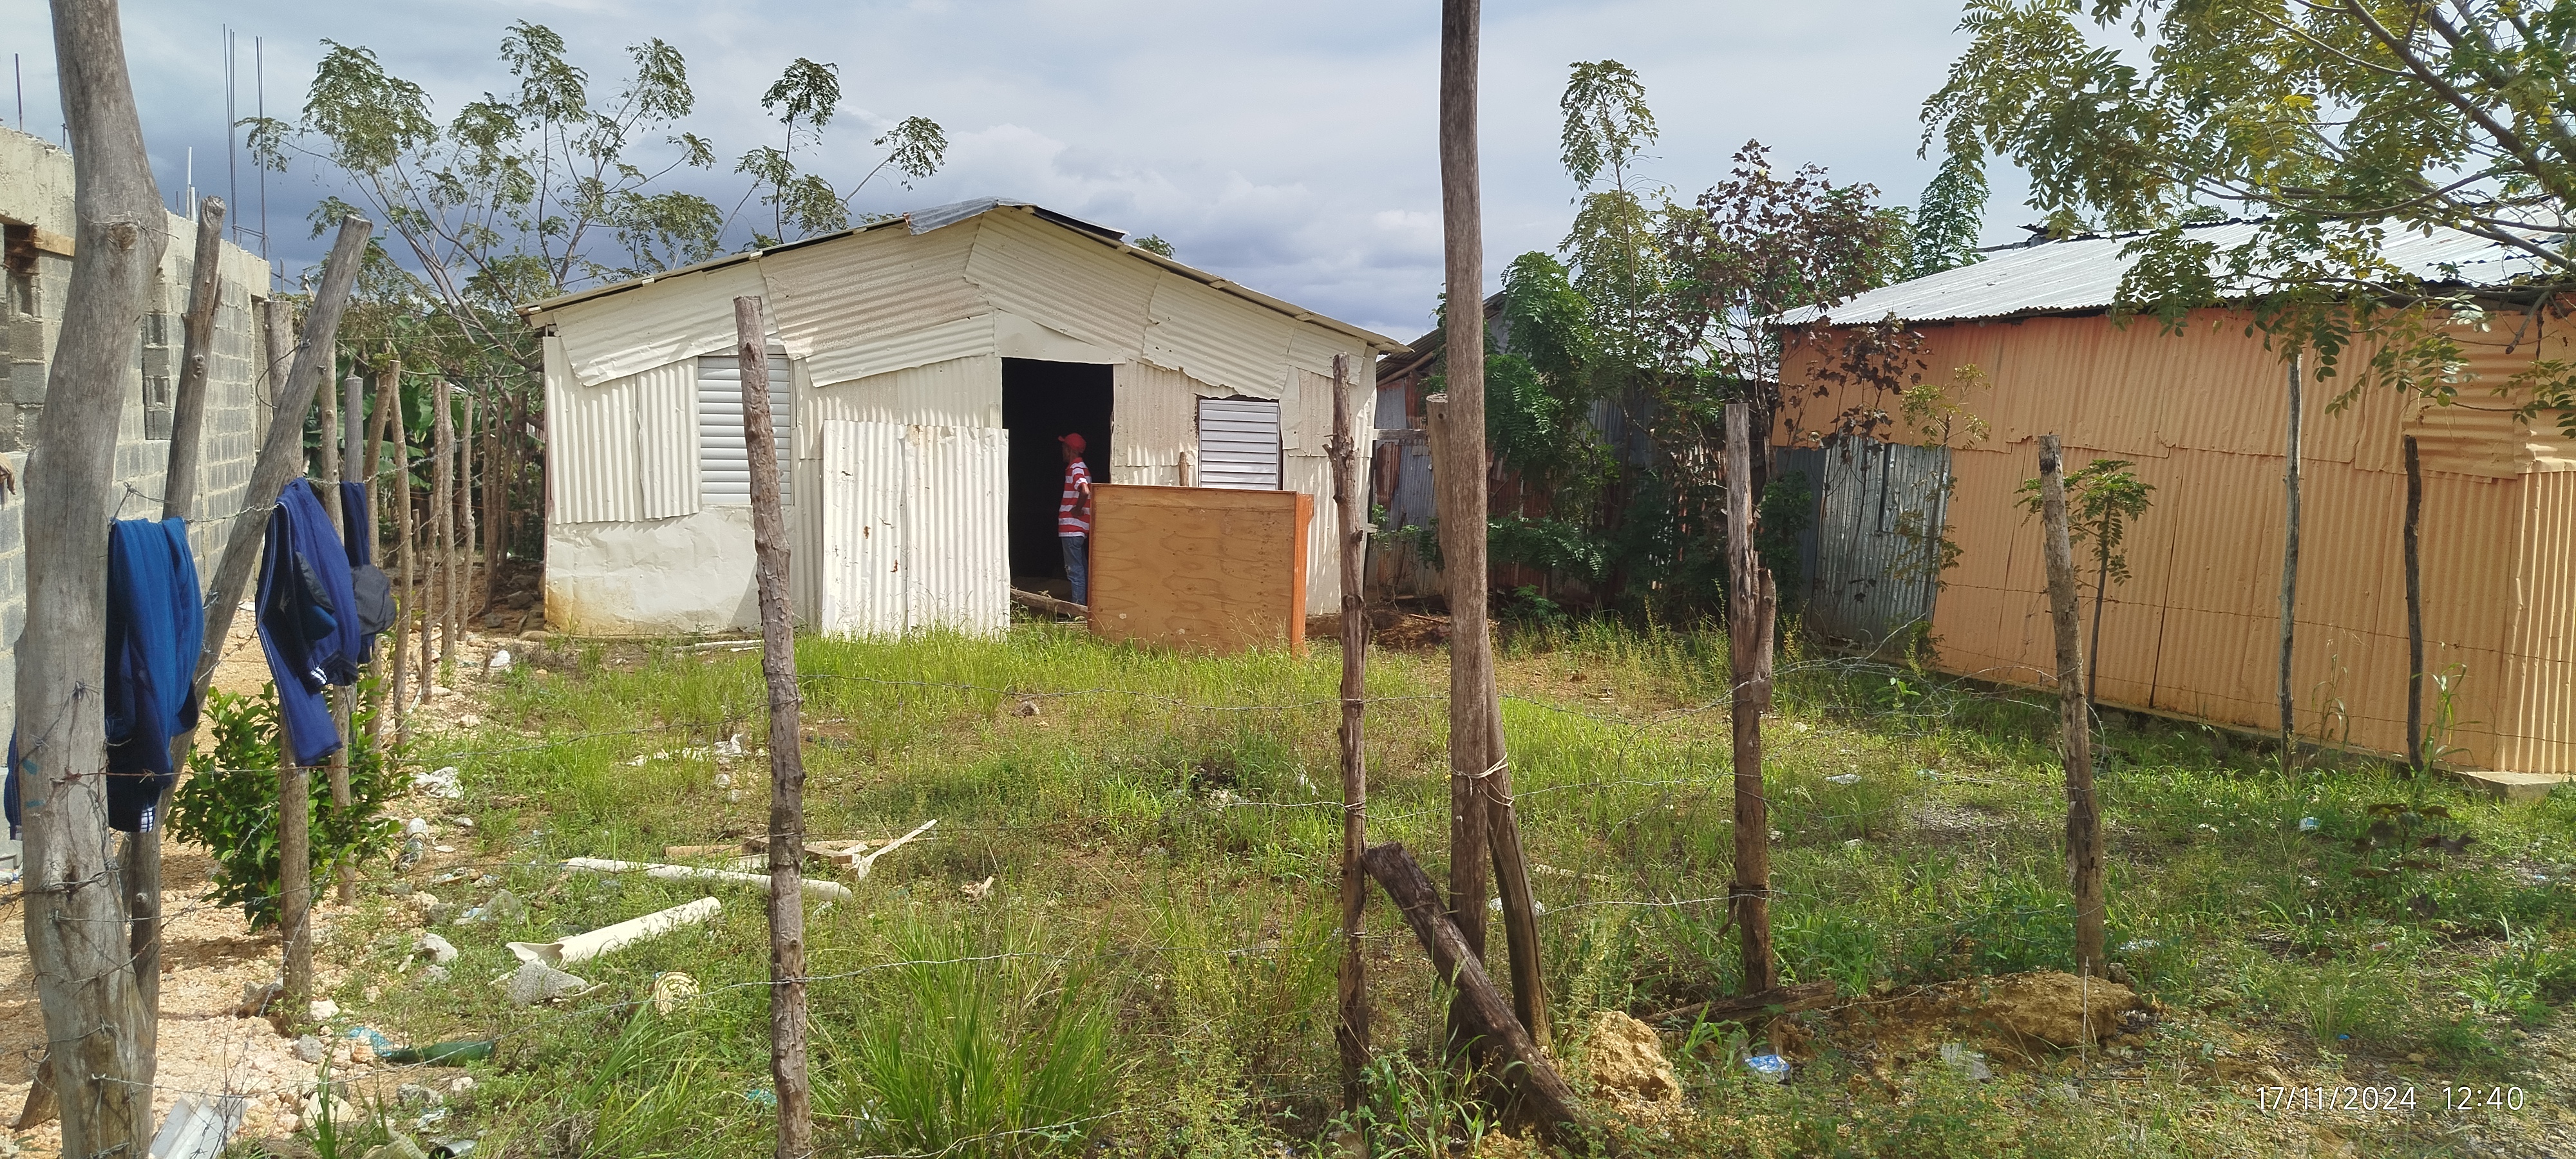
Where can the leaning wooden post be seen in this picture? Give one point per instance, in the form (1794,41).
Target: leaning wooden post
(1489,1023)
(2290,575)
(1462,484)
(786,756)
(496,488)
(140,859)
(442,523)
(1511,878)
(1351,1034)
(2414,608)
(2083,811)
(1751,603)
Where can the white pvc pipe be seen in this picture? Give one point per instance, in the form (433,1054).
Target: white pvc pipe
(830,889)
(583,947)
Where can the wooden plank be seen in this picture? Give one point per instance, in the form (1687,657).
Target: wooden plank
(2516,788)
(1207,568)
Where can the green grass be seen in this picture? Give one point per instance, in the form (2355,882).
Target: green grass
(1153,970)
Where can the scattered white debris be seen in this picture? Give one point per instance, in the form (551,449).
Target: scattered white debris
(583,947)
(438,950)
(440,782)
(500,661)
(1965,1061)
(730,747)
(324,1010)
(979,890)
(195,1130)
(832,889)
(537,982)
(416,827)
(1845,778)
(669,990)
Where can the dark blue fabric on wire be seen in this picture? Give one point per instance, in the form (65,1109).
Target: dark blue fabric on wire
(305,623)
(156,626)
(374,591)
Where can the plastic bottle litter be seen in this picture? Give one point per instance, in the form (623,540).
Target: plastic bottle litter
(453,1053)
(1845,778)
(1769,1068)
(761,1097)
(2308,824)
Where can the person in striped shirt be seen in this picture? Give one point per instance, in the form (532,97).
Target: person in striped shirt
(1073,519)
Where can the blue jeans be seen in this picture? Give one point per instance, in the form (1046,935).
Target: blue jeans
(1077,565)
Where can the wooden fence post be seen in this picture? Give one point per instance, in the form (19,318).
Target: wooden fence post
(335,468)
(1752,602)
(442,522)
(1351,1033)
(2290,577)
(786,752)
(1511,879)
(2083,810)
(1462,484)
(398,496)
(140,860)
(1489,1023)
(2414,608)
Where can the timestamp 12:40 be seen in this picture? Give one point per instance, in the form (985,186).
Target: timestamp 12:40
(2454,1099)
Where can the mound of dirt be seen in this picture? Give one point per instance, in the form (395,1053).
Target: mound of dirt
(2023,1014)
(1626,1061)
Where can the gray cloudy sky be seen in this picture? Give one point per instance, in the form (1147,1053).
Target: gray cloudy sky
(1289,147)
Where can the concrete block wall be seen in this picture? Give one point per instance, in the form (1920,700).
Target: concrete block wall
(36,193)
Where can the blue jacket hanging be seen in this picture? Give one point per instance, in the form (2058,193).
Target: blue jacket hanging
(307,623)
(156,627)
(374,590)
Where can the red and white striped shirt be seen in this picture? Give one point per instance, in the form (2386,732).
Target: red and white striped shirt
(1072,511)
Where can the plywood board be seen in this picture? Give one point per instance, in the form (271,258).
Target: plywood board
(1199,567)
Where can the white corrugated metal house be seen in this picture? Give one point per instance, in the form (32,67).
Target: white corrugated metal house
(922,369)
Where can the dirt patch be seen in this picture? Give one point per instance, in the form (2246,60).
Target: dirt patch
(2013,1016)
(1627,1061)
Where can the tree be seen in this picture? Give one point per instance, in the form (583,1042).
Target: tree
(1614,244)
(524,196)
(2336,126)
(2102,500)
(1947,223)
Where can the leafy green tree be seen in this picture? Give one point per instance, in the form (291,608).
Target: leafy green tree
(526,194)
(2102,500)
(804,99)
(2337,126)
(1614,245)
(1153,243)
(1947,223)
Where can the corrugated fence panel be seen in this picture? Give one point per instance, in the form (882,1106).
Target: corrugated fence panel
(2543,722)
(1313,474)
(666,439)
(1239,444)
(724,462)
(863,468)
(960,392)
(848,304)
(1078,285)
(1877,505)
(656,325)
(957,555)
(591,436)
(1155,410)
(1219,338)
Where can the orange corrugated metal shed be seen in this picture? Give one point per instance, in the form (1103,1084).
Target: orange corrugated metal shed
(2194,631)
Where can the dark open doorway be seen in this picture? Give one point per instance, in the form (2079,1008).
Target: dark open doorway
(1042,402)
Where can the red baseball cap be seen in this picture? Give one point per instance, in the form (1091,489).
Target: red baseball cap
(1074,441)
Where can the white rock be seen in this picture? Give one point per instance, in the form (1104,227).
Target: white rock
(324,1010)
(500,660)
(438,950)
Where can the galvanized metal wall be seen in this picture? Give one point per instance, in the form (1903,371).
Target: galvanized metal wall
(1868,573)
(960,392)
(592,472)
(2195,629)
(724,458)
(913,528)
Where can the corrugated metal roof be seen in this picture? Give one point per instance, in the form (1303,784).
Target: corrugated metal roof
(2081,275)
(937,217)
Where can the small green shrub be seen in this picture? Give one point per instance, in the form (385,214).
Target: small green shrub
(227,802)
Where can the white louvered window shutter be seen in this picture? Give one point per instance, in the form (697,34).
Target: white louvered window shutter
(1239,443)
(724,462)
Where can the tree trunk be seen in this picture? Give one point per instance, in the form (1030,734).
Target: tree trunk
(2093,650)
(2414,609)
(406,597)
(1462,484)
(1351,1033)
(1751,603)
(77,939)
(786,752)
(467,606)
(2290,578)
(1511,881)
(1489,1023)
(442,522)
(141,858)
(376,520)
(2083,811)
